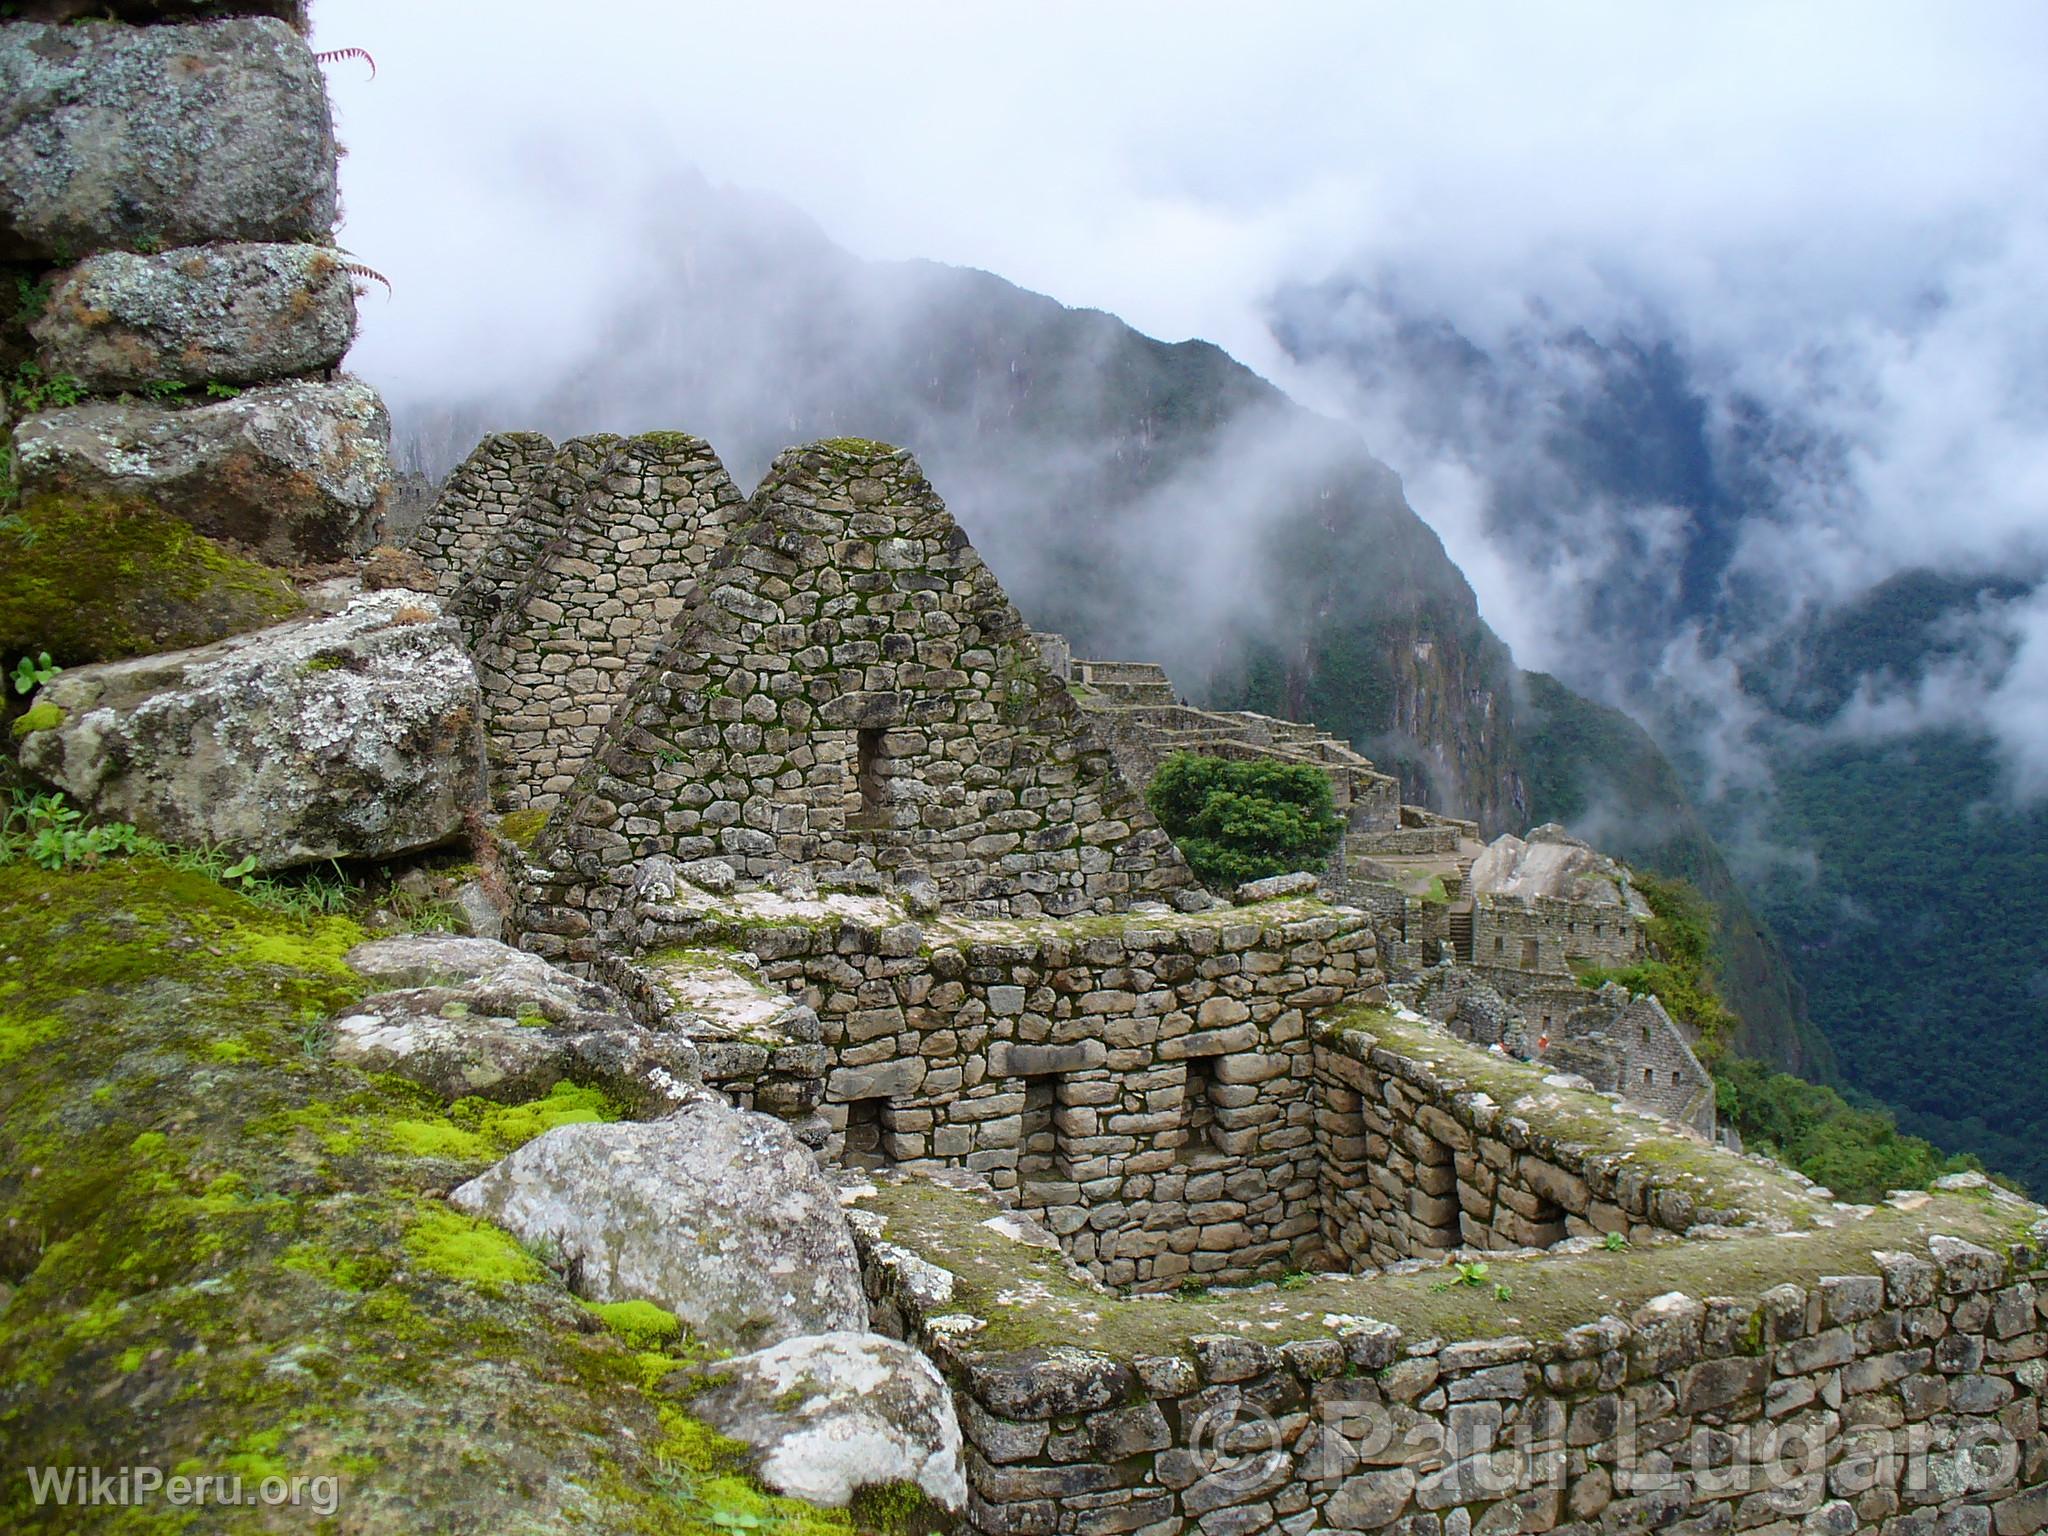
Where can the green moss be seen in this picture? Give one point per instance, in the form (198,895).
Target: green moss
(709,1485)
(506,1126)
(640,1323)
(521,828)
(855,447)
(96,580)
(897,1509)
(475,1252)
(230,1245)
(42,716)
(436,1138)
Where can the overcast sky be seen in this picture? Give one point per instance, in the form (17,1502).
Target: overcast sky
(1843,205)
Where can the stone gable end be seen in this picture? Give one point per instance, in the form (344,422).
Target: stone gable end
(851,692)
(487,491)
(590,613)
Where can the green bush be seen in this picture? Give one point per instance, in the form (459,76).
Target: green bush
(1239,821)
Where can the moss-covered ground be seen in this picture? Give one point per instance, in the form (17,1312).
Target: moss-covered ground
(221,1251)
(1028,1300)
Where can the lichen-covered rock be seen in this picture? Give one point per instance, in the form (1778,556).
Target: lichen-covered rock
(236,314)
(295,472)
(473,1018)
(719,1215)
(114,137)
(835,1413)
(348,736)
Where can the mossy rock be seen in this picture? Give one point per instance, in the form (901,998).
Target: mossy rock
(99,580)
(38,717)
(229,1252)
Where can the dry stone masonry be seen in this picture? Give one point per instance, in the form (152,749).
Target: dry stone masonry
(559,656)
(826,815)
(493,579)
(489,492)
(848,691)
(1142,1085)
(1890,1383)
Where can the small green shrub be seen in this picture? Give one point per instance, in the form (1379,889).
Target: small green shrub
(1239,821)
(31,672)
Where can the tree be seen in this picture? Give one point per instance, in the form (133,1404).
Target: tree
(1238,821)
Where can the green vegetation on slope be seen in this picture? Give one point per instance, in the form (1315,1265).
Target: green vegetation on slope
(1597,771)
(1859,1153)
(1918,931)
(1237,821)
(220,1251)
(1681,973)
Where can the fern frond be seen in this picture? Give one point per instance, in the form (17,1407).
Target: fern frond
(336,55)
(358,270)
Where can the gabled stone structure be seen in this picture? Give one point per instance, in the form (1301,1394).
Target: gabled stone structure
(494,581)
(566,645)
(488,491)
(850,693)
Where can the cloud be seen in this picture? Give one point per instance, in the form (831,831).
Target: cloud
(1834,210)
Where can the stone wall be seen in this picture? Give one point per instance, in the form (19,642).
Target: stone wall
(1890,1382)
(1545,935)
(487,493)
(1620,1043)
(494,582)
(595,605)
(1143,1088)
(850,693)
(1419,1160)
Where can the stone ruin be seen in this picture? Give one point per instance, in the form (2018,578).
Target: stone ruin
(1161,1184)
(829,810)
(1491,933)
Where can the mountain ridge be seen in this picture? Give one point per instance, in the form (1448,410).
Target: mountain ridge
(1152,500)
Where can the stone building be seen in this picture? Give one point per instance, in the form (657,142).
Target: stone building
(1543,905)
(850,829)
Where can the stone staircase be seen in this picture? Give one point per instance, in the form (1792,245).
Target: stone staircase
(1460,919)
